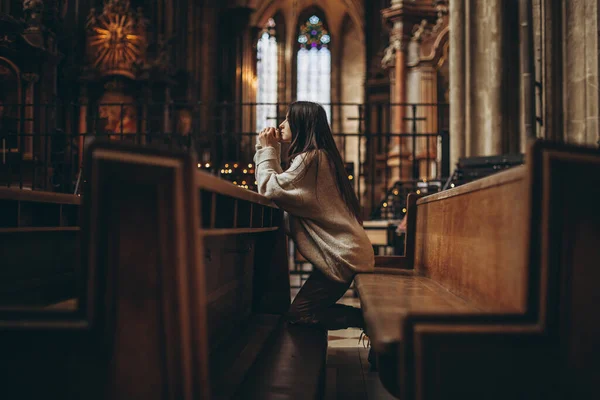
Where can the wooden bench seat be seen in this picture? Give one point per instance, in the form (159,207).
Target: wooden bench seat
(387,300)
(393,297)
(483,304)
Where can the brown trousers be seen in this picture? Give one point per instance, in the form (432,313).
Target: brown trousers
(315,304)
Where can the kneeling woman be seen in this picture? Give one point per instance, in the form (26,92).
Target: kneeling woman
(322,213)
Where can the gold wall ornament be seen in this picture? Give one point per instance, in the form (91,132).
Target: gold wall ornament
(116,39)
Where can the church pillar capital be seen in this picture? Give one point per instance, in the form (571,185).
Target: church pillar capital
(30,78)
(398,44)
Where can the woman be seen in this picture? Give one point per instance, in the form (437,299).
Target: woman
(322,213)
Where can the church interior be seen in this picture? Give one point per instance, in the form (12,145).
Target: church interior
(139,261)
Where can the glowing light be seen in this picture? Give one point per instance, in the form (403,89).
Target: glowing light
(245,171)
(115,40)
(395,193)
(350,177)
(314,64)
(249,165)
(199,165)
(222,171)
(267,55)
(418,192)
(404,210)
(235,165)
(207,165)
(452,185)
(384,205)
(243,182)
(234,182)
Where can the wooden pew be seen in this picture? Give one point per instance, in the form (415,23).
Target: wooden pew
(203,265)
(185,283)
(39,238)
(497,295)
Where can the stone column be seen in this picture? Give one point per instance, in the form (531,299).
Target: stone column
(398,94)
(457,81)
(485,41)
(395,59)
(168,109)
(580,55)
(31,79)
(427,146)
(83,131)
(146,93)
(399,144)
(482,93)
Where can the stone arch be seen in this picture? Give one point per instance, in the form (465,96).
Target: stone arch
(11,97)
(265,8)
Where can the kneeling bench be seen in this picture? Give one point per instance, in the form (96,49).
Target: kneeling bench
(497,294)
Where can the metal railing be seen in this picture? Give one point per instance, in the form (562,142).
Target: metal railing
(384,145)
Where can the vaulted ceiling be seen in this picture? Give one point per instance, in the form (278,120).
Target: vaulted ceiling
(335,11)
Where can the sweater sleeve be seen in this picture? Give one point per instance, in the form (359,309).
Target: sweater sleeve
(276,152)
(289,189)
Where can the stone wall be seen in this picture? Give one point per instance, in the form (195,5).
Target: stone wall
(352,79)
(580,55)
(486,115)
(483,78)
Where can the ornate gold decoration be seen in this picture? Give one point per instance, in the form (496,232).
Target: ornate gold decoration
(116,39)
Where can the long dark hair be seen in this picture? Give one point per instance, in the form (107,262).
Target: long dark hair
(311,133)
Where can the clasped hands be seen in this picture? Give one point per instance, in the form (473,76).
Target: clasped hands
(269,137)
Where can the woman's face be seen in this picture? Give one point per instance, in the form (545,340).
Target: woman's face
(286,132)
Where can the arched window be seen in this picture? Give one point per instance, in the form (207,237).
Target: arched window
(314,64)
(266,69)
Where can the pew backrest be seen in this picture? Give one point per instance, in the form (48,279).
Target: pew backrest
(179,258)
(563,260)
(521,250)
(145,299)
(39,238)
(473,239)
(542,339)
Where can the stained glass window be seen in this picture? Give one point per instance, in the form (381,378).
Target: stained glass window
(266,68)
(314,64)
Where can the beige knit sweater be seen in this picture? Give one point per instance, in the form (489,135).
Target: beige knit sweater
(317,219)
